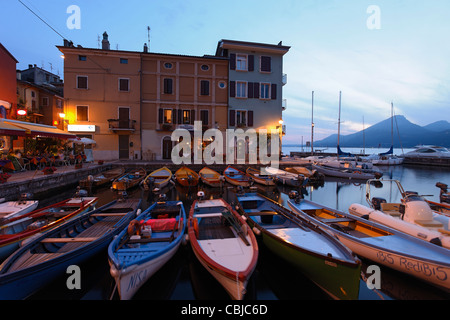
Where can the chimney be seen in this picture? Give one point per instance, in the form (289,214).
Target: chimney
(30,66)
(145,48)
(105,42)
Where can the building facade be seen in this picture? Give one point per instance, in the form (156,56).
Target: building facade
(130,102)
(8,95)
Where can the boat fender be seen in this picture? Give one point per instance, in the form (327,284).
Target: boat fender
(138,212)
(436,241)
(134,228)
(256,231)
(196,227)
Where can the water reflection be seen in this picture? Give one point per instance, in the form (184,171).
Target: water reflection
(183,278)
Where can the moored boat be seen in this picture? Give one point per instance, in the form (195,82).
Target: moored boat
(221,241)
(260,176)
(186,177)
(157,179)
(312,175)
(102,178)
(380,244)
(287,178)
(15,230)
(45,257)
(312,250)
(129,180)
(236,177)
(146,245)
(11,209)
(346,173)
(210,177)
(412,215)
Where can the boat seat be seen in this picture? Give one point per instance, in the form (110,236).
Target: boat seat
(337,220)
(445,232)
(207,215)
(67,240)
(429,223)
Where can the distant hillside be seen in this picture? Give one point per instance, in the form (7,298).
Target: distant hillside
(406,135)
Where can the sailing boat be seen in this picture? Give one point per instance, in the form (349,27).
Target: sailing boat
(387,158)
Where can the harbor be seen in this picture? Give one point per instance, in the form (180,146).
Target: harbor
(188,282)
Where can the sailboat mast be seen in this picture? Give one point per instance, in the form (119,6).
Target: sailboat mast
(392,124)
(312,124)
(339,124)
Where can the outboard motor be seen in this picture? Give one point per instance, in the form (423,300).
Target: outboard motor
(200,195)
(293,194)
(24,197)
(444,196)
(416,208)
(376,203)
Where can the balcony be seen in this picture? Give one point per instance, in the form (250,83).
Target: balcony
(284,79)
(284,105)
(122,126)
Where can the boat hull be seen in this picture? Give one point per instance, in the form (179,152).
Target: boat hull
(342,173)
(186,177)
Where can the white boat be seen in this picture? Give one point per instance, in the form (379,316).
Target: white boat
(343,173)
(287,178)
(429,152)
(412,216)
(381,244)
(11,209)
(222,242)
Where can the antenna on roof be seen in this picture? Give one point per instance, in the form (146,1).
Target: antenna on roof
(148,35)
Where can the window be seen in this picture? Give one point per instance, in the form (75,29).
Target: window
(241,62)
(45,101)
(266,64)
(82,82)
(241,118)
(204,87)
(241,89)
(186,116)
(82,113)
(222,84)
(264,92)
(82,58)
(33,94)
(204,117)
(167,116)
(204,67)
(123,61)
(124,84)
(168,86)
(168,65)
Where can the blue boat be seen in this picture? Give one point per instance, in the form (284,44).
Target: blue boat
(148,243)
(48,256)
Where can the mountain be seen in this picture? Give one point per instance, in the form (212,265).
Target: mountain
(406,135)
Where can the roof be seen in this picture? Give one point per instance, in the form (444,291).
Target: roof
(251,46)
(9,53)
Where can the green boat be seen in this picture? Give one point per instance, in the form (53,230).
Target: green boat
(311,249)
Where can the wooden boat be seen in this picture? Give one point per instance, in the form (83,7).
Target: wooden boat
(412,215)
(129,180)
(260,176)
(48,256)
(17,229)
(316,253)
(237,178)
(346,173)
(102,178)
(312,175)
(287,178)
(146,245)
(11,209)
(210,177)
(221,242)
(381,244)
(186,177)
(157,179)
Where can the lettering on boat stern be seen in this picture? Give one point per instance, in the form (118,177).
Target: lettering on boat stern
(136,279)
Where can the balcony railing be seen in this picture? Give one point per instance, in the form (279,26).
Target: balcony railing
(284,104)
(284,79)
(121,125)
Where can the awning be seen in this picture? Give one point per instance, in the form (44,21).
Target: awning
(34,129)
(10,130)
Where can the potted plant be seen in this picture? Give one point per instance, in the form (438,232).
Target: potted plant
(49,170)
(4,177)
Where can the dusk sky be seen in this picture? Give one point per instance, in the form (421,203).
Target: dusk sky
(375,52)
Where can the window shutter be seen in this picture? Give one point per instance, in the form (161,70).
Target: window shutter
(232,61)
(250,90)
(232,89)
(250,118)
(180,116)
(204,87)
(251,63)
(204,117)
(174,116)
(274,91)
(266,64)
(160,116)
(256,90)
(232,118)
(192,116)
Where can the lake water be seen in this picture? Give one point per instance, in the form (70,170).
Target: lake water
(184,278)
